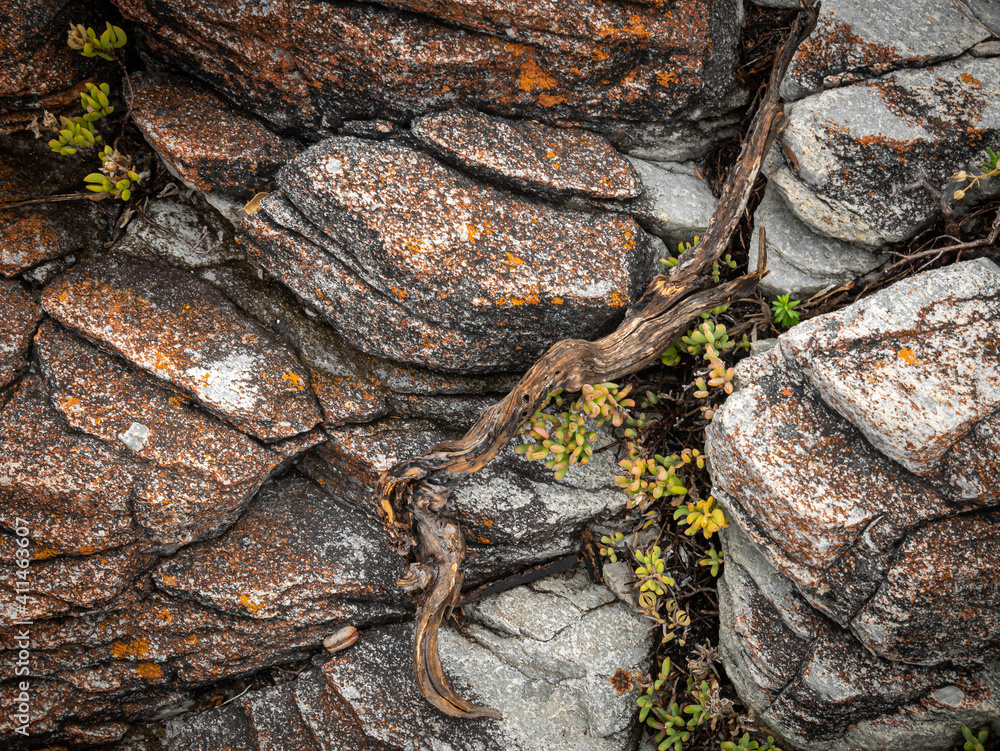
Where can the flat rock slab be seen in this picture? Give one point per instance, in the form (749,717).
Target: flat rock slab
(414,261)
(914,367)
(205,142)
(17,326)
(182,330)
(855,460)
(553,688)
(855,41)
(297,553)
(580,61)
(852,151)
(183,233)
(801,262)
(529,155)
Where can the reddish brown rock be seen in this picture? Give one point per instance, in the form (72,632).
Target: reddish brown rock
(40,71)
(581,61)
(529,155)
(32,234)
(202,139)
(71,489)
(416,262)
(17,325)
(297,554)
(182,330)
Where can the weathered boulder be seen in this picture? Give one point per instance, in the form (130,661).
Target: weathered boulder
(858,581)
(513,513)
(542,654)
(414,261)
(182,330)
(621,66)
(528,155)
(801,262)
(857,41)
(853,153)
(17,326)
(201,138)
(39,232)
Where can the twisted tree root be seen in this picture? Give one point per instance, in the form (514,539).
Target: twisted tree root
(413,493)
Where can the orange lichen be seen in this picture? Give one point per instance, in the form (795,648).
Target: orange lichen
(533,78)
(149,670)
(295,380)
(137,648)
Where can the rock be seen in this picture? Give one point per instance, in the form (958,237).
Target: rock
(71,489)
(187,234)
(852,462)
(616,65)
(857,41)
(297,554)
(987,13)
(436,269)
(676,204)
(17,326)
(802,262)
(528,155)
(40,71)
(208,145)
(551,683)
(39,232)
(352,387)
(853,151)
(180,329)
(914,369)
(513,513)
(204,470)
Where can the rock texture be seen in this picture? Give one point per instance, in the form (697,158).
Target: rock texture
(852,152)
(182,330)
(30,235)
(539,670)
(857,41)
(857,587)
(21,317)
(202,140)
(414,261)
(620,66)
(529,155)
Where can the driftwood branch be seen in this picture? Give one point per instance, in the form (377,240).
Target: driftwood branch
(413,493)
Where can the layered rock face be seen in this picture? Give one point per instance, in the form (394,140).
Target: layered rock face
(859,462)
(642,75)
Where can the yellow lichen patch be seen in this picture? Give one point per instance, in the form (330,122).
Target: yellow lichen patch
(667,78)
(191,639)
(970,79)
(43,551)
(169,579)
(617,300)
(907,356)
(512,260)
(166,616)
(557,301)
(252,605)
(533,78)
(516,49)
(295,380)
(149,670)
(135,649)
(402,294)
(70,403)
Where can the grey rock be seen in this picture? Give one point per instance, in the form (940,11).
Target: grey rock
(854,41)
(987,12)
(801,262)
(986,49)
(854,461)
(186,234)
(17,326)
(512,512)
(853,151)
(542,654)
(676,205)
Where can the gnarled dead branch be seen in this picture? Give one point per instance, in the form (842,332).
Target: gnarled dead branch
(413,493)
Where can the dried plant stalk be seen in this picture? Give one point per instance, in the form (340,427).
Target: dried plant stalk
(413,493)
